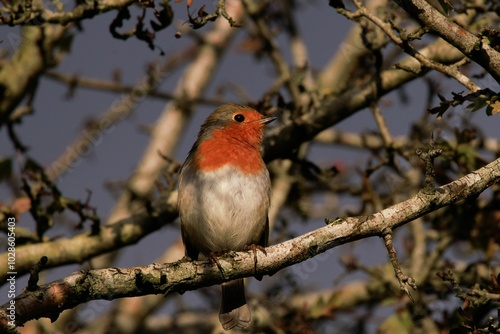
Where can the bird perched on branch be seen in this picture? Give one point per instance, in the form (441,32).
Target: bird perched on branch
(224,196)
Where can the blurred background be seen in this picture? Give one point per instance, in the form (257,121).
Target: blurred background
(88,82)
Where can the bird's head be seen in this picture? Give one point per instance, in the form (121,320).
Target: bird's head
(231,135)
(236,122)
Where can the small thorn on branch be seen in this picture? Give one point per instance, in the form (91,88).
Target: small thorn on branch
(404,281)
(37,268)
(430,176)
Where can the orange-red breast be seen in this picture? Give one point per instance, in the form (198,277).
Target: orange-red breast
(224,191)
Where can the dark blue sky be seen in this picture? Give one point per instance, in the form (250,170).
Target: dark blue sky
(57,120)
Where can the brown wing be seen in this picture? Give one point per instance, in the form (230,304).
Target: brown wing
(264,239)
(191,251)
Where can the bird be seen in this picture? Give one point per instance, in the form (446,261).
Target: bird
(224,197)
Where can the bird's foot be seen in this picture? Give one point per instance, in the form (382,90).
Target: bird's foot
(254,249)
(213,257)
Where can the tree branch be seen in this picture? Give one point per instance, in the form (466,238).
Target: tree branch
(74,81)
(370,141)
(86,9)
(275,54)
(451,70)
(80,287)
(334,109)
(85,246)
(167,130)
(119,110)
(402,278)
(19,76)
(462,39)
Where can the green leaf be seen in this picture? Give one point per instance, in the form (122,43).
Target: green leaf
(440,109)
(478,103)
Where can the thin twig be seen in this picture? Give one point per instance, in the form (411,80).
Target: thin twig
(382,125)
(75,81)
(468,43)
(430,175)
(33,280)
(452,71)
(402,278)
(221,8)
(275,54)
(118,111)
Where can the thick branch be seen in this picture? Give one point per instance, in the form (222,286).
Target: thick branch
(84,10)
(35,54)
(85,246)
(111,283)
(282,140)
(452,70)
(462,39)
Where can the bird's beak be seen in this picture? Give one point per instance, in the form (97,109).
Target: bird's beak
(267,120)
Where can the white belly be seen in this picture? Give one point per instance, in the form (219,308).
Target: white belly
(227,210)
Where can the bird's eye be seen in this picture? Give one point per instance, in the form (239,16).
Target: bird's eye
(239,118)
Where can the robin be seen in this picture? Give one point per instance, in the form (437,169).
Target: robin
(224,196)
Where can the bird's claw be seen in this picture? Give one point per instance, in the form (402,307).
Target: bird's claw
(254,248)
(213,258)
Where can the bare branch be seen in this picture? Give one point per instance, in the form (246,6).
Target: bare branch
(405,46)
(461,38)
(120,110)
(382,125)
(170,124)
(402,278)
(75,81)
(85,246)
(84,10)
(277,57)
(34,277)
(19,76)
(337,108)
(182,275)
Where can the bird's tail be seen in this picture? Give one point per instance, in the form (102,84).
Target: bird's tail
(234,311)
